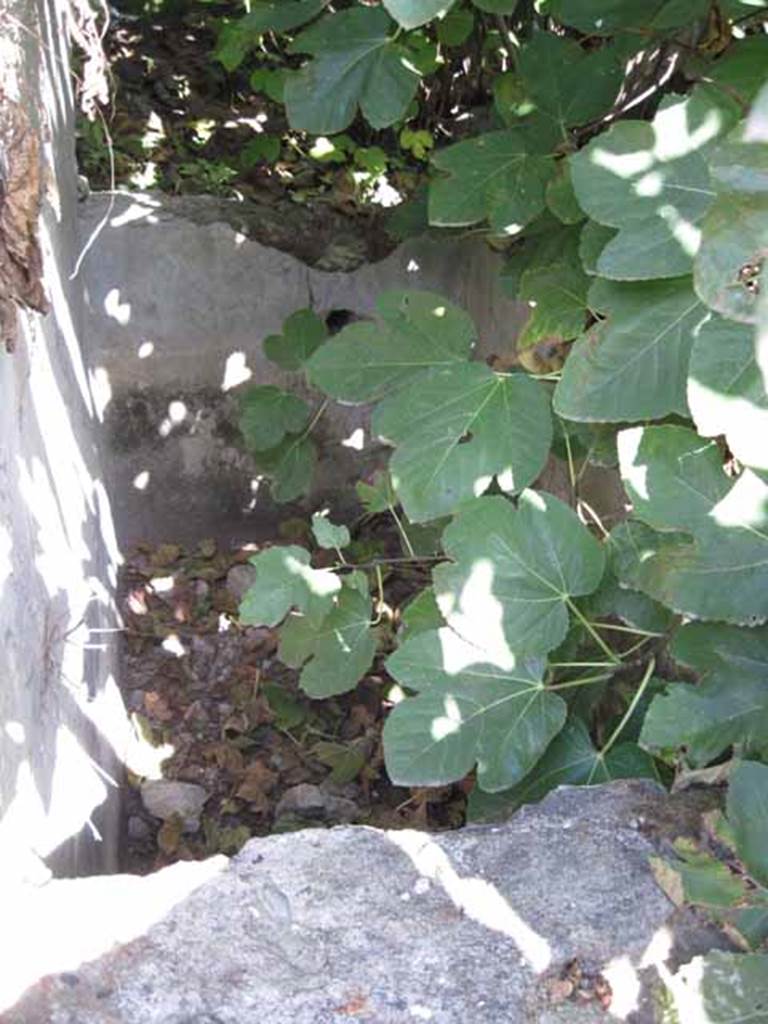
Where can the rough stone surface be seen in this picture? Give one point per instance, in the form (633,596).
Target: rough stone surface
(60,741)
(393,927)
(164,798)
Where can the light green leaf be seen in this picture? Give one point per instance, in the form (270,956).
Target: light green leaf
(747,809)
(419,331)
(734,240)
(738,166)
(557,295)
(267,414)
(634,364)
(569,86)
(651,182)
(456,429)
(290,467)
(467,712)
(493,176)
(514,571)
(303,333)
(412,13)
(337,652)
(724,988)
(676,481)
(594,238)
(728,705)
(571,759)
(727,389)
(356,65)
(285,580)
(328,534)
(236,38)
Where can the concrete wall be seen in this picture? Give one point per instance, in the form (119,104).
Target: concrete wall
(179,304)
(61,719)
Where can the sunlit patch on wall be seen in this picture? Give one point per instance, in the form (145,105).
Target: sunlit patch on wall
(120,311)
(356,440)
(236,371)
(141,480)
(101,389)
(146,348)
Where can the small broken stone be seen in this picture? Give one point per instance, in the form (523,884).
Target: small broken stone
(164,798)
(308,801)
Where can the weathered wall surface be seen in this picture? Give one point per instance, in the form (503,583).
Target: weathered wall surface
(179,304)
(58,698)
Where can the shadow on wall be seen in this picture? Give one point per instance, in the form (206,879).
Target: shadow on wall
(179,304)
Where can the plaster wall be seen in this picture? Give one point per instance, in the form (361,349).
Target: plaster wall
(58,558)
(179,303)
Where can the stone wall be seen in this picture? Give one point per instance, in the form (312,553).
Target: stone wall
(60,712)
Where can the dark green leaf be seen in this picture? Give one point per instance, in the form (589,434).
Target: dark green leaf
(728,705)
(455,27)
(570,760)
(238,37)
(356,65)
(633,365)
(303,333)
(513,572)
(456,430)
(747,810)
(337,652)
(557,295)
(594,238)
(267,414)
(290,467)
(285,580)
(560,197)
(726,988)
(467,712)
(419,331)
(676,481)
(493,176)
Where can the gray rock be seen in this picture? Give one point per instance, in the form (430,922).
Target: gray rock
(137,828)
(316,803)
(239,579)
(164,798)
(477,925)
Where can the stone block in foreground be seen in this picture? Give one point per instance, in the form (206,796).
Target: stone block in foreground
(353,924)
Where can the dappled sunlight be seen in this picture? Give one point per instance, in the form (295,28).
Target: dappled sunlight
(141,480)
(480,900)
(478,615)
(450,722)
(101,389)
(140,208)
(745,505)
(625,984)
(108,910)
(145,349)
(636,472)
(355,441)
(676,136)
(686,234)
(115,308)
(236,371)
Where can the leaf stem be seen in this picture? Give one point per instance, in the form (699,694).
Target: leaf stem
(401,529)
(571,467)
(632,705)
(593,632)
(581,664)
(584,681)
(626,629)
